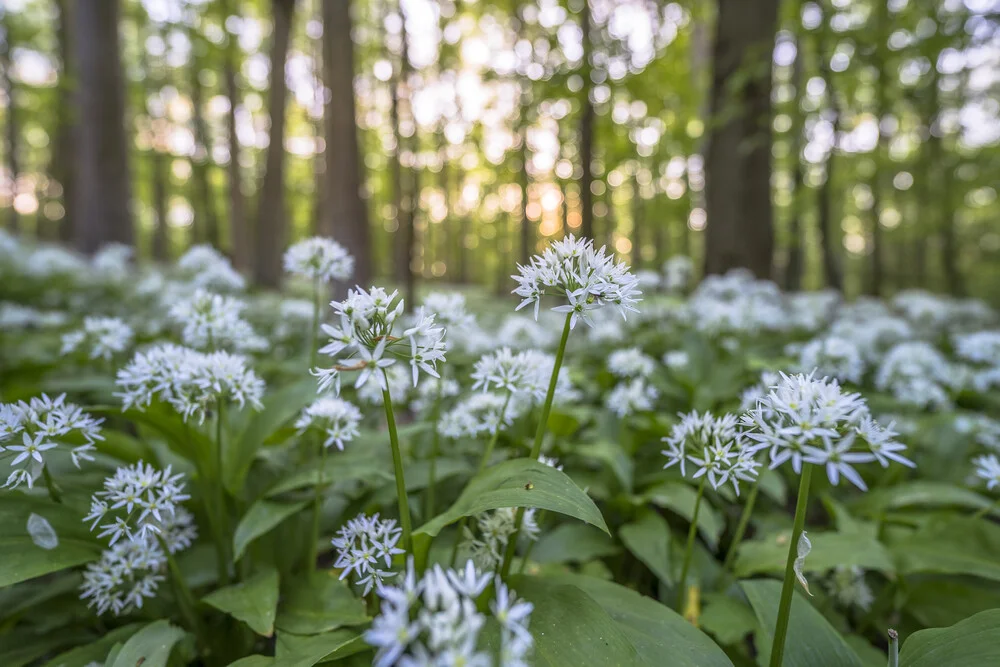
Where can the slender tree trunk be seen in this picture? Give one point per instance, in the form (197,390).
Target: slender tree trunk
(527,237)
(102,186)
(876,267)
(345,215)
(201,161)
(409,179)
(638,221)
(740,230)
(832,274)
(271,230)
(12,128)
(587,118)
(61,167)
(154,81)
(240,239)
(796,260)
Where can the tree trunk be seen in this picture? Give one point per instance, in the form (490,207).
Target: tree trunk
(527,239)
(345,214)
(796,260)
(12,129)
(61,166)
(271,229)
(740,230)
(240,239)
(876,268)
(102,187)
(407,184)
(587,117)
(832,274)
(201,163)
(638,221)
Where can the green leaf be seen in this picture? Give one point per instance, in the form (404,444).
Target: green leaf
(418,472)
(573,543)
(150,647)
(21,559)
(654,630)
(922,494)
(648,539)
(571,629)
(253,601)
(254,661)
(680,499)
(97,650)
(811,639)
(952,545)
(973,642)
(519,483)
(940,601)
(296,651)
(340,467)
(262,517)
(319,604)
(829,550)
(616,459)
(728,620)
(279,408)
(183,438)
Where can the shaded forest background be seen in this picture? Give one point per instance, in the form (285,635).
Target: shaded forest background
(841,143)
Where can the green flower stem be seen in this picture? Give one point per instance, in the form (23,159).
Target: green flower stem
(536,448)
(222,538)
(741,527)
(689,548)
(785,605)
(893,648)
(987,509)
(435,445)
(314,329)
(54,492)
(312,553)
(531,545)
(185,599)
(397,464)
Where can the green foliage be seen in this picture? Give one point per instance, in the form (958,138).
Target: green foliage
(973,641)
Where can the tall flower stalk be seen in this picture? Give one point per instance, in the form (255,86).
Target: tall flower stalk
(689,548)
(787,586)
(397,465)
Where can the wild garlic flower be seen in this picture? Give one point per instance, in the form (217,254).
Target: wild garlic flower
(848,587)
(628,398)
(435,620)
(804,419)
(872,333)
(112,263)
(631,363)
(981,347)
(30,429)
(488,543)
(677,273)
(988,470)
(430,390)
(752,396)
(136,502)
(204,266)
(319,258)
(675,360)
(521,332)
(365,340)
(449,310)
(714,446)
(101,337)
(191,382)
(917,374)
(984,430)
(127,574)
(833,357)
(400,389)
(477,414)
(336,418)
(586,278)
(14,316)
(365,546)
(212,321)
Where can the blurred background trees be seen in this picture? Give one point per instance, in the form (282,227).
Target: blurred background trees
(842,143)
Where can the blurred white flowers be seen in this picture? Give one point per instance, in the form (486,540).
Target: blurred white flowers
(336,418)
(101,337)
(319,258)
(365,546)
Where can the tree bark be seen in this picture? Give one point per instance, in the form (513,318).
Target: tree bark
(345,214)
(876,268)
(832,274)
(796,260)
(240,238)
(63,149)
(271,229)
(102,187)
(12,129)
(201,161)
(587,117)
(407,192)
(740,229)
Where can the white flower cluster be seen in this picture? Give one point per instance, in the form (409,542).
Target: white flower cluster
(212,321)
(30,429)
(983,349)
(833,357)
(628,398)
(363,544)
(319,258)
(102,337)
(872,330)
(714,446)
(631,362)
(337,418)
(525,375)
(191,382)
(479,413)
(494,531)
(988,470)
(752,396)
(398,378)
(811,311)
(929,312)
(135,501)
(365,336)
(736,303)
(848,587)
(917,374)
(430,390)
(14,316)
(804,419)
(112,263)
(52,262)
(449,310)
(435,621)
(204,266)
(588,279)
(984,430)
(677,273)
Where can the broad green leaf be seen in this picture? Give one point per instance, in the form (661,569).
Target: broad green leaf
(21,648)
(124,447)
(921,494)
(97,650)
(319,604)
(262,517)
(974,642)
(680,498)
(340,466)
(298,651)
(571,629)
(939,601)
(253,661)
(611,454)
(869,655)
(150,647)
(182,437)
(768,554)
(573,543)
(811,639)
(279,407)
(519,483)
(418,473)
(952,545)
(648,539)
(727,619)
(653,629)
(253,601)
(21,558)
